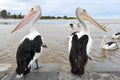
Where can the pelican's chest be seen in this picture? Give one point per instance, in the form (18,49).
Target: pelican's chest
(31,36)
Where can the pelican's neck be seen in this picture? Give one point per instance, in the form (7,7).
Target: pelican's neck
(84,27)
(32,28)
(103,41)
(37,17)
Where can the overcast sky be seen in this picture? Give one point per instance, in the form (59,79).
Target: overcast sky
(96,8)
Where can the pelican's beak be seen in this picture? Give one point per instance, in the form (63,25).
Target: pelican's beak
(25,20)
(85,16)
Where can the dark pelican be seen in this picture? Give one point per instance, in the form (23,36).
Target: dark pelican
(108,45)
(80,43)
(31,45)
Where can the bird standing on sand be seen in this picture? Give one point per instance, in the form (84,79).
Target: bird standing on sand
(108,45)
(80,43)
(31,45)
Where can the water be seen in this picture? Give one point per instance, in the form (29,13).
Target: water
(56,21)
(55,37)
(15,22)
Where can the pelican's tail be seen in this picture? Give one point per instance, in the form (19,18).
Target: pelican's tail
(22,70)
(78,64)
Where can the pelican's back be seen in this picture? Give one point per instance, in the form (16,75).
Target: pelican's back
(78,54)
(26,52)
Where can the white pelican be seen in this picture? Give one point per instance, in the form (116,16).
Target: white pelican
(72,29)
(116,35)
(80,43)
(108,45)
(31,45)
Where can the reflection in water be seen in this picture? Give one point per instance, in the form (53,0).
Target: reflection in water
(101,57)
(107,56)
(104,54)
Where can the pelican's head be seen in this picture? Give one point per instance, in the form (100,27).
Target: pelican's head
(33,15)
(83,15)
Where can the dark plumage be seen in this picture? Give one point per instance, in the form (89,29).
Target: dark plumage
(110,43)
(117,33)
(80,43)
(71,25)
(74,32)
(78,55)
(26,52)
(30,48)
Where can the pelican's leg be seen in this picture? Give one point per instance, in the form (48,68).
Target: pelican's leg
(37,65)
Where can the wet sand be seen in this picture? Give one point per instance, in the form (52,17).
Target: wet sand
(56,55)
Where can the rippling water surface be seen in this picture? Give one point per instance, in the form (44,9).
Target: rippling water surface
(54,34)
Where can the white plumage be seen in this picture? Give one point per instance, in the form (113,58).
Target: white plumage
(108,45)
(80,43)
(31,45)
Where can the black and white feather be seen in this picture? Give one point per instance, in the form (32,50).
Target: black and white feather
(31,45)
(28,51)
(116,35)
(108,45)
(80,44)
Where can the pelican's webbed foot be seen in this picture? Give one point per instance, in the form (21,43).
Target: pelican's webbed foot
(37,65)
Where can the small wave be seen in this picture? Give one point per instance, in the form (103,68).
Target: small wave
(4,67)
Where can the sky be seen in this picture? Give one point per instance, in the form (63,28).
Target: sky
(96,8)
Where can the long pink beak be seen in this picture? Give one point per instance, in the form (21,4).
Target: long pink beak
(25,20)
(86,16)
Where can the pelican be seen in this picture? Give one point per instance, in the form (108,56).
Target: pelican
(80,43)
(108,45)
(116,35)
(72,28)
(31,45)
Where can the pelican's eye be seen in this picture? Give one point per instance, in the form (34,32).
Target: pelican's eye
(84,10)
(32,9)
